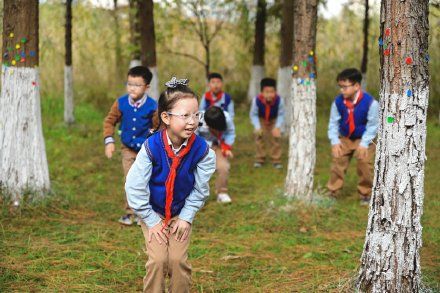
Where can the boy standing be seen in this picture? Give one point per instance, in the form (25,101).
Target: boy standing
(134,111)
(352,127)
(216,96)
(267,117)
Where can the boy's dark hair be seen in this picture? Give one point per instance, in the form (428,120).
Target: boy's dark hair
(214,75)
(215,118)
(351,74)
(141,71)
(268,82)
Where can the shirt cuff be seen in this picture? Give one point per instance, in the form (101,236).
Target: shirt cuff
(335,141)
(108,140)
(187,215)
(152,220)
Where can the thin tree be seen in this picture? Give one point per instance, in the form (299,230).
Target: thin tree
(69,117)
(302,138)
(118,46)
(391,258)
(148,43)
(366,27)
(286,55)
(134,33)
(258,71)
(23,163)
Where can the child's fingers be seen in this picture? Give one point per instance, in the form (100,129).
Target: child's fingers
(150,236)
(179,234)
(185,235)
(159,237)
(174,228)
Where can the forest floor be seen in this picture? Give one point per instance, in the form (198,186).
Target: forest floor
(259,243)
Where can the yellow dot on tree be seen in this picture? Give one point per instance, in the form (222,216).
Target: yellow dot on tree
(11,35)
(17,46)
(295,68)
(311,53)
(13,62)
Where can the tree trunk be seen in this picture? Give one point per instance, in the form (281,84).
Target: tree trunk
(69,118)
(118,46)
(148,43)
(134,33)
(23,163)
(257,72)
(302,149)
(391,261)
(364,62)
(286,54)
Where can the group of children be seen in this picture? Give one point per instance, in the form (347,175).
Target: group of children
(171,148)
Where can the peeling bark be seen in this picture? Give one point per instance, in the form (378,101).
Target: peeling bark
(391,259)
(302,149)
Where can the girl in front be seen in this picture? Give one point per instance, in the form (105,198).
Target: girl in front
(167,184)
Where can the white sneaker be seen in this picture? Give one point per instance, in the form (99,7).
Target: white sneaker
(223,198)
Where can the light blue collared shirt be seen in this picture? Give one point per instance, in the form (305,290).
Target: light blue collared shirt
(228,134)
(255,119)
(370,129)
(138,191)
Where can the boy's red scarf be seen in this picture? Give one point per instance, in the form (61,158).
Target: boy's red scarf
(350,106)
(267,106)
(176,159)
(212,99)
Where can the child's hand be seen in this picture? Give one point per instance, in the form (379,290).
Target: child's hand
(159,233)
(181,228)
(337,151)
(362,152)
(258,132)
(109,150)
(276,132)
(228,154)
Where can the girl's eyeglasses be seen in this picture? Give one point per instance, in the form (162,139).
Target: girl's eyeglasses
(187,117)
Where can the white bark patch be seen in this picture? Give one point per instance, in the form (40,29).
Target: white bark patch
(23,163)
(134,63)
(257,74)
(69,118)
(391,260)
(154,85)
(302,149)
(284,88)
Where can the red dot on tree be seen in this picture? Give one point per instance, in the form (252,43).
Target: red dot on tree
(386,52)
(408,60)
(387,32)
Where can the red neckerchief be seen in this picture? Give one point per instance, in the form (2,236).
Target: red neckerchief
(175,162)
(223,146)
(267,106)
(212,99)
(350,106)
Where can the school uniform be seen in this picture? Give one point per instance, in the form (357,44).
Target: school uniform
(222,100)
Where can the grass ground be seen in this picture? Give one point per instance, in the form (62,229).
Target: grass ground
(72,242)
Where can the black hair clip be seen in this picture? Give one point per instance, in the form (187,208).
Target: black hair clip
(174,82)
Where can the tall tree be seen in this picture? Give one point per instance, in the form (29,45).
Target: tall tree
(134,33)
(364,62)
(148,43)
(23,163)
(257,71)
(118,46)
(69,117)
(286,55)
(391,258)
(302,138)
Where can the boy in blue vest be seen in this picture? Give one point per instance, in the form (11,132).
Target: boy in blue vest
(134,112)
(267,117)
(216,96)
(353,123)
(218,129)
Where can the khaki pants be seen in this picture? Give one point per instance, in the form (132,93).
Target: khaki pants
(364,167)
(128,158)
(222,168)
(167,259)
(267,137)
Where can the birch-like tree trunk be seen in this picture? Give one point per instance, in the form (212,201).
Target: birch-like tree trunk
(148,43)
(366,28)
(285,70)
(134,33)
(69,117)
(23,163)
(302,138)
(258,71)
(118,46)
(391,258)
